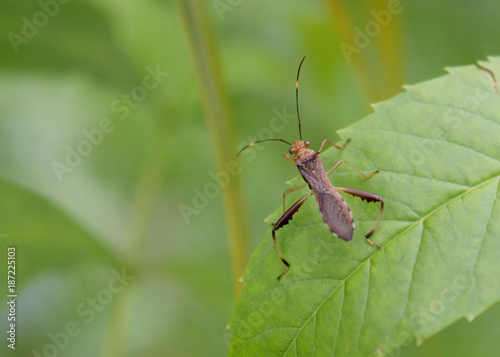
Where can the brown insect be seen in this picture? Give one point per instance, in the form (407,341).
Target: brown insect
(334,210)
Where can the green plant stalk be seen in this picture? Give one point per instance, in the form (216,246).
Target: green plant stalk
(381,79)
(389,46)
(219,121)
(114,341)
(146,194)
(344,26)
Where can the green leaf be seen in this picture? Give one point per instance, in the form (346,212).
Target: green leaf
(437,149)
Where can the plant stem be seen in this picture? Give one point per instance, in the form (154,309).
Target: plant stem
(219,121)
(389,45)
(344,25)
(378,72)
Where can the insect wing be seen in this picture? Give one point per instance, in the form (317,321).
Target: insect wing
(336,214)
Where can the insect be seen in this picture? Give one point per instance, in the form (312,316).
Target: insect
(334,210)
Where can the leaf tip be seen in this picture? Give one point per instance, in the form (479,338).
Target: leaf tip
(450,70)
(470,318)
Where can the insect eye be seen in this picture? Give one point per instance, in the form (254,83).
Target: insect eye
(291,151)
(307,143)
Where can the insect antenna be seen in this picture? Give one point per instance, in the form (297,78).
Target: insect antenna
(261,141)
(297,97)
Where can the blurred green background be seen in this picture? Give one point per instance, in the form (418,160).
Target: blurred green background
(70,70)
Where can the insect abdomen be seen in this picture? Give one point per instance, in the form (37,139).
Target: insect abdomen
(336,214)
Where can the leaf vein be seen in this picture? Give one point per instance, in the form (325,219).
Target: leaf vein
(342,282)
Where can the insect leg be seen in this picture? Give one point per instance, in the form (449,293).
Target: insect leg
(329,142)
(289,191)
(287,216)
(354,167)
(369,197)
(289,158)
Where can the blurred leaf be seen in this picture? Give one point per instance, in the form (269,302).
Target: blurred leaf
(220,123)
(55,256)
(437,150)
(64,43)
(36,223)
